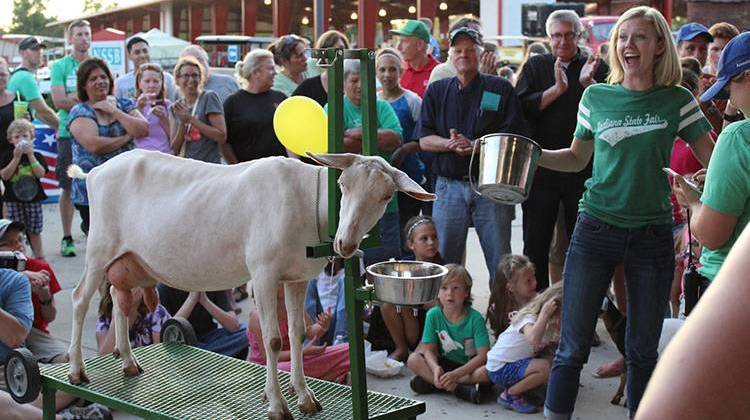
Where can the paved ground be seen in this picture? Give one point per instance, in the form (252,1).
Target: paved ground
(593,398)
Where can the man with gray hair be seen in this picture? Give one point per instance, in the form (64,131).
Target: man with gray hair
(549,88)
(456,112)
(222,84)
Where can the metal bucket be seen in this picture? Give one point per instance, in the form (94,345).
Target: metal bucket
(507,164)
(406,282)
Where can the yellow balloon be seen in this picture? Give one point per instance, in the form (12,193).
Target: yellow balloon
(301,125)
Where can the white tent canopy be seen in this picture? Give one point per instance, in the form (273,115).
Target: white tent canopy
(165,49)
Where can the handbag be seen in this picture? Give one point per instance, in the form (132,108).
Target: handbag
(694,283)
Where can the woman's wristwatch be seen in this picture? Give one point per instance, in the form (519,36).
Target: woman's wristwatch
(733,118)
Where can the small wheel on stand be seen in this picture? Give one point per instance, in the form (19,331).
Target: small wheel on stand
(22,376)
(178,330)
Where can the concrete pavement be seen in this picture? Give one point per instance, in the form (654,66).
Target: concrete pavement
(593,397)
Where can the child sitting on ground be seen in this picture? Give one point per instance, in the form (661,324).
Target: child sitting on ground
(403,327)
(330,363)
(325,293)
(520,360)
(454,345)
(145,326)
(515,286)
(21,169)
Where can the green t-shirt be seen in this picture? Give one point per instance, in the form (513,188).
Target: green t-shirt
(63,73)
(22,81)
(387,119)
(457,342)
(727,189)
(634,133)
(284,84)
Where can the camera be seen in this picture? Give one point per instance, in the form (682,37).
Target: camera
(13,260)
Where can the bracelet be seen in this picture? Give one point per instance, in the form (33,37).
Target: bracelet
(36,164)
(733,118)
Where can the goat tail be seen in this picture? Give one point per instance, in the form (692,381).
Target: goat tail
(75,172)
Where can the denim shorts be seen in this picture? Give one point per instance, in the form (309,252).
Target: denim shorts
(510,374)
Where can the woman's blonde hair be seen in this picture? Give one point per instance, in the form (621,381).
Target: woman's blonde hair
(190,61)
(252,62)
(667,70)
(459,273)
(554,292)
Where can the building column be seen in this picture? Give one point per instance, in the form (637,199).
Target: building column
(122,24)
(426,8)
(321,16)
(249,16)
(195,12)
(167,18)
(281,16)
(154,20)
(366,23)
(220,16)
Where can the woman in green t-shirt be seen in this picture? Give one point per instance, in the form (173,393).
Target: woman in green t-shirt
(625,216)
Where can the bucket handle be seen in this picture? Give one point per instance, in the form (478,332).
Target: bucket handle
(471,165)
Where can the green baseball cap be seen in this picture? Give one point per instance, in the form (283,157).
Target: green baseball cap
(413,28)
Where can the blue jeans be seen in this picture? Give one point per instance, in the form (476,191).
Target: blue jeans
(232,344)
(596,247)
(390,240)
(339,326)
(456,206)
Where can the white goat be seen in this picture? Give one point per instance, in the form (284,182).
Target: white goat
(200,227)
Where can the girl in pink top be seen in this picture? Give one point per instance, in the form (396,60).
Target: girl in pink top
(330,363)
(150,100)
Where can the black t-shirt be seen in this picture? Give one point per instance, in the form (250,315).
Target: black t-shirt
(202,321)
(23,186)
(249,118)
(312,88)
(6,117)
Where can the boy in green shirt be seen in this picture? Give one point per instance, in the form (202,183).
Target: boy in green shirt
(454,346)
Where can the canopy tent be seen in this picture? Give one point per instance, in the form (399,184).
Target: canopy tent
(165,49)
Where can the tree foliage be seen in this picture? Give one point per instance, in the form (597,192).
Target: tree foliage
(29,18)
(92,6)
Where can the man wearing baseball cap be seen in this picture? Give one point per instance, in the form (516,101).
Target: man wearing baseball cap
(692,41)
(721,212)
(23,81)
(455,113)
(413,42)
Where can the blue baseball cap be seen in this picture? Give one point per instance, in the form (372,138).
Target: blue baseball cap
(734,60)
(690,30)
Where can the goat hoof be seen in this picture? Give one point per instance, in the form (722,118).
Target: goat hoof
(615,401)
(290,389)
(132,370)
(284,415)
(79,379)
(310,406)
(263,397)
(116,353)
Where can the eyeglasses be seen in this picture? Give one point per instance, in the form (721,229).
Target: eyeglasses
(568,36)
(193,76)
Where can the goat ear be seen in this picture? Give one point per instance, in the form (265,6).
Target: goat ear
(409,187)
(338,160)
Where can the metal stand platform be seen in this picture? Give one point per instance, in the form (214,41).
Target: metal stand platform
(185,382)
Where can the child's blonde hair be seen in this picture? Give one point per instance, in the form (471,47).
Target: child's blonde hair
(458,272)
(554,292)
(19,126)
(502,300)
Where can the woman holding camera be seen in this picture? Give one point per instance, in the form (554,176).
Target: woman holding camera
(102,126)
(150,94)
(198,127)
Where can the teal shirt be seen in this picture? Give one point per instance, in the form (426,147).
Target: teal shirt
(24,83)
(286,85)
(387,119)
(633,134)
(457,342)
(727,189)
(63,73)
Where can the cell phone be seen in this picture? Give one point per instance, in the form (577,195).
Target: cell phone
(158,102)
(690,183)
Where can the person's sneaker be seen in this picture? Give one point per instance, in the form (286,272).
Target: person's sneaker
(420,386)
(89,412)
(517,403)
(67,247)
(468,393)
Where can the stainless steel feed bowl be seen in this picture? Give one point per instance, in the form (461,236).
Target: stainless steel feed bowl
(406,282)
